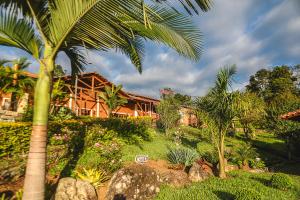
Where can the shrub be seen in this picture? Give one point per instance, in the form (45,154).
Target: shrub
(281,181)
(131,130)
(93,176)
(182,156)
(247,194)
(208,152)
(242,154)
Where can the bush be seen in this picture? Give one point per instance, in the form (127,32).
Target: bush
(131,130)
(281,181)
(182,156)
(208,152)
(247,194)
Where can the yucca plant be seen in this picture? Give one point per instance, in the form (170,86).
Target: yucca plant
(43,28)
(93,176)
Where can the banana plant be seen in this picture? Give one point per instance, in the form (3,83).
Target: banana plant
(44,28)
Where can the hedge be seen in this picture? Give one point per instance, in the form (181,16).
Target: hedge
(14,137)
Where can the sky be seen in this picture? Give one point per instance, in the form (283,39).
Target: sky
(252,34)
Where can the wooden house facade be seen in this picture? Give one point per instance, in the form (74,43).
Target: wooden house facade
(83,98)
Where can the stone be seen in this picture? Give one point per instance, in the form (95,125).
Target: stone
(72,189)
(199,172)
(134,182)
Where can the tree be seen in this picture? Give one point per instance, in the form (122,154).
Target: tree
(14,81)
(270,83)
(184,100)
(168,110)
(43,28)
(251,113)
(112,98)
(217,110)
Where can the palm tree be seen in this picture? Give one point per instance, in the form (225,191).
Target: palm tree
(112,98)
(43,28)
(14,81)
(217,110)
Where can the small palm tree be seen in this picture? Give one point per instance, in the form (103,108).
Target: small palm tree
(112,98)
(43,28)
(14,81)
(217,110)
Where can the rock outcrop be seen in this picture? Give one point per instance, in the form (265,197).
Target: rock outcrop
(72,189)
(134,182)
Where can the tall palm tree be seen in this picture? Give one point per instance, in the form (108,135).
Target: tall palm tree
(219,107)
(112,98)
(43,28)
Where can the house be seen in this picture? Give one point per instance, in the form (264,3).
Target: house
(83,99)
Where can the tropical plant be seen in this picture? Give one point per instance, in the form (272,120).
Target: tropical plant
(14,81)
(43,28)
(182,156)
(242,154)
(217,110)
(93,176)
(112,98)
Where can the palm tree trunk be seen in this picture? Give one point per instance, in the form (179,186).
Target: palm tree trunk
(222,173)
(34,186)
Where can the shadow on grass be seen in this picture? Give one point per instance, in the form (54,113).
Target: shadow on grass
(261,180)
(224,195)
(189,143)
(74,151)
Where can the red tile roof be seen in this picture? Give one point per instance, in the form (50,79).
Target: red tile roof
(294,115)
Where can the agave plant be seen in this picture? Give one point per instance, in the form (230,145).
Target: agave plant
(93,176)
(182,156)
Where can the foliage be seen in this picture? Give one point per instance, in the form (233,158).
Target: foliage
(242,154)
(112,98)
(168,110)
(182,156)
(183,100)
(208,152)
(281,181)
(62,113)
(270,83)
(251,113)
(131,130)
(247,194)
(93,176)
(218,109)
(57,95)
(215,188)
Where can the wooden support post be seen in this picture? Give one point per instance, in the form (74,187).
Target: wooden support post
(98,107)
(71,101)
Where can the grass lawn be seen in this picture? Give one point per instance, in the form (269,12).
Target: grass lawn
(226,189)
(155,149)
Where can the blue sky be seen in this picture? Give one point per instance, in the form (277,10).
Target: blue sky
(252,34)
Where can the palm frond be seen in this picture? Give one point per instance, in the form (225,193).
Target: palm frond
(77,59)
(19,33)
(188,5)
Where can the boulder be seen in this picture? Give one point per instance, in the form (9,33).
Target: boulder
(200,171)
(72,189)
(134,182)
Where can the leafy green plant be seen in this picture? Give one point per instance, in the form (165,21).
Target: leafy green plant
(208,152)
(257,163)
(247,194)
(242,154)
(182,156)
(94,176)
(281,181)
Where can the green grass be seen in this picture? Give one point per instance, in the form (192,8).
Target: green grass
(226,189)
(155,149)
